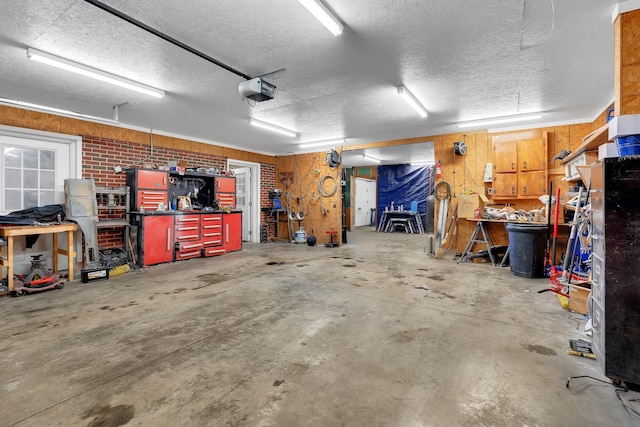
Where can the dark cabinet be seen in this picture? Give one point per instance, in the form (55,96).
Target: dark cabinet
(615,289)
(233,231)
(149,187)
(155,239)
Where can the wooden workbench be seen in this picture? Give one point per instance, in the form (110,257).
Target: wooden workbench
(11,231)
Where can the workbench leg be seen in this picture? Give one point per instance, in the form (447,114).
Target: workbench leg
(71,256)
(10,264)
(55,252)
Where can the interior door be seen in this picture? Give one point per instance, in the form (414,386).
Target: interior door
(243,199)
(365,200)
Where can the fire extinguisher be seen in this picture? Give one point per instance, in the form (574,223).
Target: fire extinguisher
(438,170)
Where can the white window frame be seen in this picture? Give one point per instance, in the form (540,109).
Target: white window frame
(74,142)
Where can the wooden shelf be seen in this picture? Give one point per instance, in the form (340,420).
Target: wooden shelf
(589,142)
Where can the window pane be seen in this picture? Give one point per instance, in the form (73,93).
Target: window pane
(30,179)
(47,198)
(30,158)
(47,180)
(12,200)
(12,157)
(30,199)
(12,178)
(47,160)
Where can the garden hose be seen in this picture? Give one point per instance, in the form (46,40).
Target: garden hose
(122,269)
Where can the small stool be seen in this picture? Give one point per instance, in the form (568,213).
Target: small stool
(331,244)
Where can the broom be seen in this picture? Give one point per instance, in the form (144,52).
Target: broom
(440,252)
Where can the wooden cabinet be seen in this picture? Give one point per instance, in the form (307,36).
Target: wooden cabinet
(532,154)
(532,184)
(233,231)
(149,187)
(505,185)
(505,156)
(155,239)
(520,165)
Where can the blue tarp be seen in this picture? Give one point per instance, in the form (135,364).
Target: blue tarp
(402,184)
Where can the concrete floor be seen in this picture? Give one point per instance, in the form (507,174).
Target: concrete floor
(374,333)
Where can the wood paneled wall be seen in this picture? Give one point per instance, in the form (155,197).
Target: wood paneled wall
(315,190)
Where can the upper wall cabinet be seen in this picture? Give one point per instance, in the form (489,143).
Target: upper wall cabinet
(519,165)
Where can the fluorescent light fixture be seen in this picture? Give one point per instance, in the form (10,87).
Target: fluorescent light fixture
(499,120)
(59,111)
(326,143)
(273,128)
(422,162)
(84,70)
(412,101)
(324,15)
(369,157)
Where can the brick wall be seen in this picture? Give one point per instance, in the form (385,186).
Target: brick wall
(268,182)
(100,155)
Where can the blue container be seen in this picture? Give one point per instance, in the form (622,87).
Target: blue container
(414,206)
(628,145)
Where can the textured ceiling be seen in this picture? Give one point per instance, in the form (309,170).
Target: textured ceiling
(464,60)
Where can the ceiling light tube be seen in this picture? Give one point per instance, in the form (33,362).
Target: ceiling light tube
(324,15)
(326,143)
(511,119)
(45,109)
(273,128)
(412,101)
(94,73)
(369,157)
(422,162)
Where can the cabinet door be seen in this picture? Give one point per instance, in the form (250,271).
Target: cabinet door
(225,184)
(532,184)
(233,231)
(505,185)
(157,239)
(532,154)
(505,156)
(152,179)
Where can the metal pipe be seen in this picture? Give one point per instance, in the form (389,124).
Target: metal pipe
(165,37)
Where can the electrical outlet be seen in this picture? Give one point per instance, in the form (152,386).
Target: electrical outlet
(489,191)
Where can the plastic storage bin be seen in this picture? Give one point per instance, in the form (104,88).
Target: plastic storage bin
(628,145)
(526,249)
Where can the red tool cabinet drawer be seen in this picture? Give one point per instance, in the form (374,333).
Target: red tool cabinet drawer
(214,250)
(187,227)
(211,230)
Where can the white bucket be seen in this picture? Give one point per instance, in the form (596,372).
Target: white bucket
(301,236)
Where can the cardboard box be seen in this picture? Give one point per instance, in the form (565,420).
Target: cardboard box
(578,296)
(624,125)
(608,149)
(467,203)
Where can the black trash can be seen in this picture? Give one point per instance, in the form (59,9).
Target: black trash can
(526,249)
